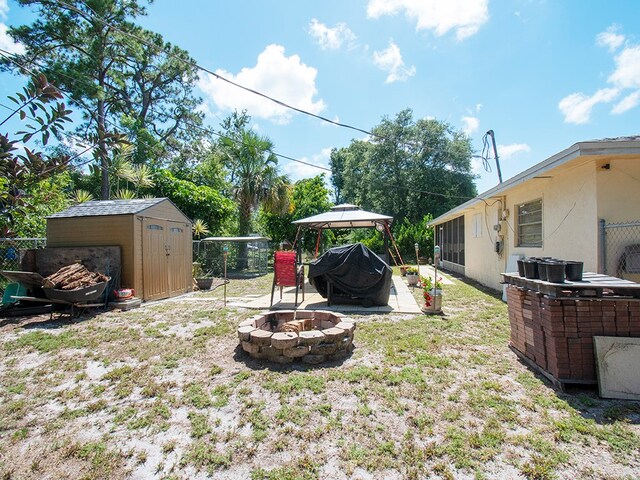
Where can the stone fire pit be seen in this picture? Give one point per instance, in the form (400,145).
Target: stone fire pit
(286,335)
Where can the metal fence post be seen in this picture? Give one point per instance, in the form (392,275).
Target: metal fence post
(603,246)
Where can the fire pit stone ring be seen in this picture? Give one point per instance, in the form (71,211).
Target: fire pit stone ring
(283,336)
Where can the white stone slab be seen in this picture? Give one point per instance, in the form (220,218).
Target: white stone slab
(617,365)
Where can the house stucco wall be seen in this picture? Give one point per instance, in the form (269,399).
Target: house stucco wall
(482,263)
(570,223)
(579,186)
(619,190)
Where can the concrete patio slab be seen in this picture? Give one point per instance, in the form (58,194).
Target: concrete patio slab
(428,270)
(401,300)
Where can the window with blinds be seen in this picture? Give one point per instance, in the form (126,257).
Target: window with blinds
(530,224)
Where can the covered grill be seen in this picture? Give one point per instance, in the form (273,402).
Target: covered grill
(351,272)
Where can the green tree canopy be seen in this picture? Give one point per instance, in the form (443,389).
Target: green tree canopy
(196,201)
(310,196)
(117,74)
(408,169)
(25,171)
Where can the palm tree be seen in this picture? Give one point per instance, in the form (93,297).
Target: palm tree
(254,177)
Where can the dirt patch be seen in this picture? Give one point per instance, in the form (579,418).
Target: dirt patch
(165,391)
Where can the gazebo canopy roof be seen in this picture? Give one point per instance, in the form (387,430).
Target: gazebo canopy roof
(344,216)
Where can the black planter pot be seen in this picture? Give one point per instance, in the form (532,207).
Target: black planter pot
(573,271)
(555,272)
(204,283)
(531,269)
(542,271)
(521,268)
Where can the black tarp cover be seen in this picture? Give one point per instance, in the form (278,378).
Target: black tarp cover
(353,270)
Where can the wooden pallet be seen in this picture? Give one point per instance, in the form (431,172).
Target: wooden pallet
(559,383)
(593,285)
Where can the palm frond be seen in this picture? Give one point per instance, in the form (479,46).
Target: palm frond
(124,194)
(81,196)
(200,228)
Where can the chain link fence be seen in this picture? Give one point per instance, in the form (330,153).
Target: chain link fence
(10,254)
(10,249)
(621,249)
(246,257)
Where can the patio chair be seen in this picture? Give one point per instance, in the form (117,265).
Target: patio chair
(287,273)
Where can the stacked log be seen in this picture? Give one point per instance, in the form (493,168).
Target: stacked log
(297,326)
(72,277)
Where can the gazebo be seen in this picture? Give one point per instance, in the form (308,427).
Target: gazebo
(349,216)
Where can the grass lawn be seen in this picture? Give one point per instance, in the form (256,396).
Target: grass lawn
(163,392)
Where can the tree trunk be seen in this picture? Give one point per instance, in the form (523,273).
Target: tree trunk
(102,154)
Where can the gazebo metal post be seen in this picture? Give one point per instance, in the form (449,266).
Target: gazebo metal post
(318,242)
(385,236)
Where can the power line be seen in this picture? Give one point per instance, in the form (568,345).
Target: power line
(204,129)
(216,75)
(224,79)
(186,122)
(194,64)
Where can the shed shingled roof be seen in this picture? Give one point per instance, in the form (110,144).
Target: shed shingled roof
(97,208)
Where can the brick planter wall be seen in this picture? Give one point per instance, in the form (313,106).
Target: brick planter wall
(557,333)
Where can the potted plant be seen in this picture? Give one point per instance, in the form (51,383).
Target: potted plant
(413,276)
(204,280)
(432,294)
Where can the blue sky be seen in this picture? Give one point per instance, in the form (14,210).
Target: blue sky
(542,74)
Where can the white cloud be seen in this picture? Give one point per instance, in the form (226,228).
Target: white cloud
(6,42)
(610,38)
(390,60)
(464,16)
(331,38)
(297,171)
(577,107)
(627,72)
(505,152)
(470,125)
(284,78)
(477,165)
(627,103)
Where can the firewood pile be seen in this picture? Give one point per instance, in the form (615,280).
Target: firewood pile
(297,326)
(72,277)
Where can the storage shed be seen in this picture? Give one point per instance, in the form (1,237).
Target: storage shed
(153,234)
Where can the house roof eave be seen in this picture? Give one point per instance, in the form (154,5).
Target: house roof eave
(590,148)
